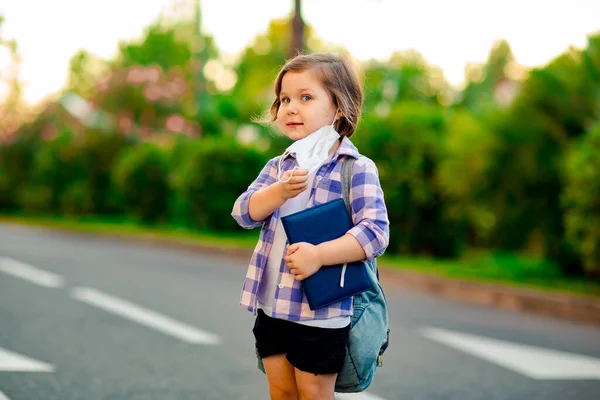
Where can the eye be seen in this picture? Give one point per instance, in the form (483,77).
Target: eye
(285,100)
(306,97)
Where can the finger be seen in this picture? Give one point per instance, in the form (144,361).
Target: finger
(298,186)
(297,179)
(300,172)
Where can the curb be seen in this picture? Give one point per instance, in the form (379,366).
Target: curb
(563,306)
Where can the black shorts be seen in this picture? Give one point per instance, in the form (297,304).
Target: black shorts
(308,348)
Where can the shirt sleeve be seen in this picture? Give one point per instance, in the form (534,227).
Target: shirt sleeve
(240,212)
(369,213)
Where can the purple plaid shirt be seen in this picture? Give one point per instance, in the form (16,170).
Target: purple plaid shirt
(369,215)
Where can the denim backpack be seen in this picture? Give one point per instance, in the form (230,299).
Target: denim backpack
(369,334)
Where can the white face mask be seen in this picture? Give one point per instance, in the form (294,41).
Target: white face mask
(312,150)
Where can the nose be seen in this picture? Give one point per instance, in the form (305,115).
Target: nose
(291,108)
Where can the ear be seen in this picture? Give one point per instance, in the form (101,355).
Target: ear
(338,115)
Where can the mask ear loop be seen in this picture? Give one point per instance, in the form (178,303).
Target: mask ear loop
(334,115)
(284,155)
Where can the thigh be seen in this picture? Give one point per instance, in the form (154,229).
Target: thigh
(313,387)
(281,377)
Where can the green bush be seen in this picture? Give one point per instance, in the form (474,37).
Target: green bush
(581,200)
(406,146)
(140,177)
(99,152)
(56,165)
(214,173)
(16,160)
(461,176)
(77,199)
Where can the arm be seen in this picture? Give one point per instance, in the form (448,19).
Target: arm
(266,200)
(241,207)
(342,250)
(266,194)
(263,202)
(370,235)
(369,212)
(366,240)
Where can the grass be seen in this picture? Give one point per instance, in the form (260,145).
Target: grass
(501,268)
(123,227)
(482,266)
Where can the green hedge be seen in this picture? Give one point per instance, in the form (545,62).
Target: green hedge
(582,199)
(141,180)
(212,175)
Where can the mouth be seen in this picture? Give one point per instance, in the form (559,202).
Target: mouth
(294,124)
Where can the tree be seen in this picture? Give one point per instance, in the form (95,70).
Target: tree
(12,107)
(297,45)
(493,83)
(581,199)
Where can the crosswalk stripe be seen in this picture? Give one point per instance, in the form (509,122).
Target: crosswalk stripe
(149,318)
(10,361)
(31,274)
(2,396)
(534,362)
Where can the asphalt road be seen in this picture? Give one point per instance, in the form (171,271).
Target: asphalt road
(90,318)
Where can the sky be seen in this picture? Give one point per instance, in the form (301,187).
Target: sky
(448,34)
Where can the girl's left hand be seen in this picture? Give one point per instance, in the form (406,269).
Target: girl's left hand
(303,260)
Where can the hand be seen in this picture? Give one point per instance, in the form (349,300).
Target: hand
(303,260)
(295,185)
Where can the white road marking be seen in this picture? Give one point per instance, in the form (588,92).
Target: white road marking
(534,362)
(2,396)
(10,361)
(357,396)
(31,274)
(149,318)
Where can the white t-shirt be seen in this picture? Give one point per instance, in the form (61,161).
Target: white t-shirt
(266,294)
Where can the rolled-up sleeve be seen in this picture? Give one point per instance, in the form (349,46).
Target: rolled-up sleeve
(240,212)
(369,213)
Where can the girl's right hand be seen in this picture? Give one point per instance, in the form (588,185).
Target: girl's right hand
(294,185)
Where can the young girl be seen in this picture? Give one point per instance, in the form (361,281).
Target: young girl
(318,102)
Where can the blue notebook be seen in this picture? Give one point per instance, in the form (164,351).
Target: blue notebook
(314,225)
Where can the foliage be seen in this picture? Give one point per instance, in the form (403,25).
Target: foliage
(406,149)
(507,163)
(141,179)
(581,199)
(462,173)
(406,76)
(213,174)
(15,167)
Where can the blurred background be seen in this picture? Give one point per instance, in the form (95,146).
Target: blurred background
(135,117)
(131,111)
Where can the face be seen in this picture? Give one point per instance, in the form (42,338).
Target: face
(305,105)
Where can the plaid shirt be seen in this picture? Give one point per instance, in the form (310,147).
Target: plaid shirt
(369,214)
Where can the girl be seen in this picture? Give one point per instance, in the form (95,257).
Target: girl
(318,102)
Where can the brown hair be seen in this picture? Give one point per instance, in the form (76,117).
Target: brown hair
(341,81)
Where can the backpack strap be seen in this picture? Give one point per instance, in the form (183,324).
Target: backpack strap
(347,182)
(347,165)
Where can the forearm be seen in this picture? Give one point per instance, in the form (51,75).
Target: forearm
(263,202)
(342,250)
